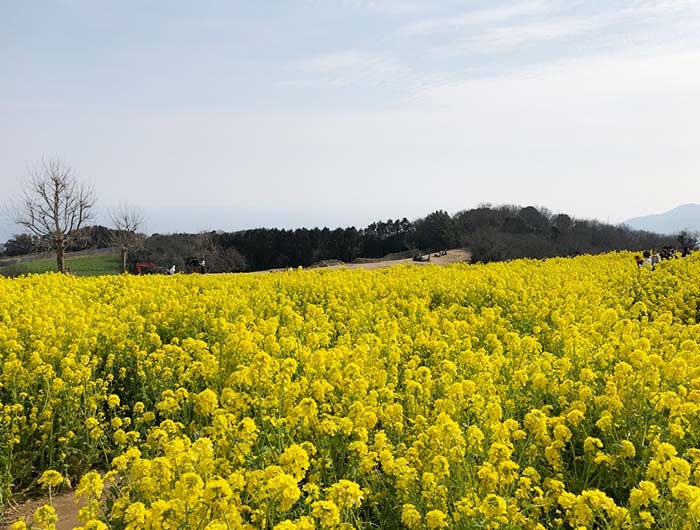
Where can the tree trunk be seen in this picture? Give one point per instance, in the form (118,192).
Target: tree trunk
(60,262)
(124,254)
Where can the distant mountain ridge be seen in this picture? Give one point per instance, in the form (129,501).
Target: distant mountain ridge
(684,217)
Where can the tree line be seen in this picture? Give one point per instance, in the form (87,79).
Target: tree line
(490,233)
(55,208)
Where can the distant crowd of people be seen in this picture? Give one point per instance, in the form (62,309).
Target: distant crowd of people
(650,259)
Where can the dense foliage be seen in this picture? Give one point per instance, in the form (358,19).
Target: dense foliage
(558,394)
(490,233)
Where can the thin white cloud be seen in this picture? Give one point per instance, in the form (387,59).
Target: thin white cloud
(341,60)
(392,7)
(659,6)
(349,68)
(512,28)
(629,25)
(536,9)
(456,22)
(620,76)
(502,39)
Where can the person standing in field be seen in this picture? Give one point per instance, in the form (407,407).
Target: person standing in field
(655,259)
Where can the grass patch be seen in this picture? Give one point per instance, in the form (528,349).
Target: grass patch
(78,265)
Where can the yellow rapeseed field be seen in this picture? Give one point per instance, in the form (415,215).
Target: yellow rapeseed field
(558,394)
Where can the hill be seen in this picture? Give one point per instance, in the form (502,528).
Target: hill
(684,217)
(489,233)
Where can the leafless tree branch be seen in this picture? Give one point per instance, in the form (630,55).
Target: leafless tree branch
(127,223)
(54,205)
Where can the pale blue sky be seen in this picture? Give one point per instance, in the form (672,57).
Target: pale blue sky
(229,115)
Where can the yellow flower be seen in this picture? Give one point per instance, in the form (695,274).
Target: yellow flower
(346,494)
(327,513)
(216,490)
(605,422)
(665,451)
(120,437)
(190,486)
(113,401)
(591,444)
(295,460)
(283,488)
(410,517)
(90,485)
(627,449)
(217,525)
(93,524)
(507,379)
(205,402)
(436,519)
(646,493)
(306,523)
(45,516)
(51,479)
(575,417)
(285,525)
(493,506)
(562,433)
(135,516)
(647,519)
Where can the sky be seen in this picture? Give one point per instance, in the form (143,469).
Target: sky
(240,114)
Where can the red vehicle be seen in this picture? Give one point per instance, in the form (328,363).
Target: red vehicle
(148,268)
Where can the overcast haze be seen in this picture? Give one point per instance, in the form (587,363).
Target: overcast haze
(230,115)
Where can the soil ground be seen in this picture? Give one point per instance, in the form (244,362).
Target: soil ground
(64,504)
(457,255)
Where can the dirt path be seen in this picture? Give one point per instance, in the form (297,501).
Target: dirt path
(64,504)
(456,255)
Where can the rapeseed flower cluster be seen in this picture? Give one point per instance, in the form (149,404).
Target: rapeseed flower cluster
(560,394)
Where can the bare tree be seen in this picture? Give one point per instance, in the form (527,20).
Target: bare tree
(217,258)
(127,222)
(54,205)
(688,239)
